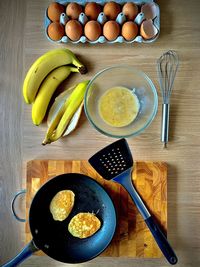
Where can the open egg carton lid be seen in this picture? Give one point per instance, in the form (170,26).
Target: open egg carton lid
(146,7)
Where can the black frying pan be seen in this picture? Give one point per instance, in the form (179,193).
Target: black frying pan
(52,237)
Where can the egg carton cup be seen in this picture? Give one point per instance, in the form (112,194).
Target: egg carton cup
(121,18)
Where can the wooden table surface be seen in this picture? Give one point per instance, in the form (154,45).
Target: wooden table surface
(22,40)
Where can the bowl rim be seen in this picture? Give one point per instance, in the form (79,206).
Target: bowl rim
(152,86)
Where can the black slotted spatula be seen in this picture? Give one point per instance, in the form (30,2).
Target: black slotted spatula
(115,162)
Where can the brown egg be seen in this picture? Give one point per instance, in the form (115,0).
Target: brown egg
(73,30)
(129,30)
(111,10)
(130,10)
(73,10)
(56,31)
(54,11)
(92,10)
(92,30)
(148,30)
(111,30)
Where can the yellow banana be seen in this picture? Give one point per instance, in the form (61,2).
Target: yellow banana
(56,121)
(46,91)
(65,114)
(43,66)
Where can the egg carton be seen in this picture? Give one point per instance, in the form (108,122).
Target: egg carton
(102,19)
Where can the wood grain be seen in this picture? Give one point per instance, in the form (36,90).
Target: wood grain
(22,40)
(132,238)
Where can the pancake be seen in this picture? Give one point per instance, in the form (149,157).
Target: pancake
(84,225)
(61,205)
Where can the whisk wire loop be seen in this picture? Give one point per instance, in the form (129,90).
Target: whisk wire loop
(167,66)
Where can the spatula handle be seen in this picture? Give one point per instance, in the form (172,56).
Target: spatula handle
(161,241)
(125,180)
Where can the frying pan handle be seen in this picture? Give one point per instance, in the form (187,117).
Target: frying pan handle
(26,252)
(23,191)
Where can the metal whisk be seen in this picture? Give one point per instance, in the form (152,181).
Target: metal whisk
(167,67)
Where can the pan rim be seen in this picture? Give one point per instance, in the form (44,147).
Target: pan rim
(115,218)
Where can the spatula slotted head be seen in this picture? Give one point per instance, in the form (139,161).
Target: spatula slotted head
(112,160)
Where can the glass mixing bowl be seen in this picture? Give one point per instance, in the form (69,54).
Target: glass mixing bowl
(131,78)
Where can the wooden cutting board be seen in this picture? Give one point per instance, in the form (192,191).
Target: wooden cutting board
(132,238)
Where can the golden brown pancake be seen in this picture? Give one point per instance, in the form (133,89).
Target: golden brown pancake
(84,225)
(61,205)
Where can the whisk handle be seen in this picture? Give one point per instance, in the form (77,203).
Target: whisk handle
(165,123)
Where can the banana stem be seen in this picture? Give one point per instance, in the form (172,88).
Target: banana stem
(81,68)
(74,69)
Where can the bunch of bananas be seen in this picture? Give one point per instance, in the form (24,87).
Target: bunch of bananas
(42,80)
